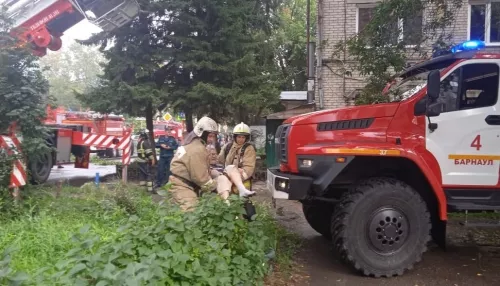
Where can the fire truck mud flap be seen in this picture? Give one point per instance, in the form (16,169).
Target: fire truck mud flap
(287,186)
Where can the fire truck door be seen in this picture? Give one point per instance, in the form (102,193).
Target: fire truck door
(467,139)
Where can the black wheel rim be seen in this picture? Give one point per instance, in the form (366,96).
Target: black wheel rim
(387,230)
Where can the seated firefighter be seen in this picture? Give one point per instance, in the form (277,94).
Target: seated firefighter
(238,158)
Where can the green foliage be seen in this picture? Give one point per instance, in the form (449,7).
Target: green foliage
(378,52)
(118,236)
(291,42)
(199,57)
(76,68)
(22,97)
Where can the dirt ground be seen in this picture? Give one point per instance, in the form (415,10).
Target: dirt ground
(472,256)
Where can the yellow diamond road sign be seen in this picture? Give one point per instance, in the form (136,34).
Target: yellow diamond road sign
(167,117)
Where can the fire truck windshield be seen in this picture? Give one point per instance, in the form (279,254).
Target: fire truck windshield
(402,89)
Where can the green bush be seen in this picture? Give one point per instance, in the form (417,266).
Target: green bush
(129,240)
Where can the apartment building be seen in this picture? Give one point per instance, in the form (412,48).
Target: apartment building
(341,19)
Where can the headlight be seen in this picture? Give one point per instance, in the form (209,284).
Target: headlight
(306,163)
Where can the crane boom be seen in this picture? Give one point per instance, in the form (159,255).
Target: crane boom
(41,23)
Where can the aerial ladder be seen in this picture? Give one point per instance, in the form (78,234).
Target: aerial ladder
(41,23)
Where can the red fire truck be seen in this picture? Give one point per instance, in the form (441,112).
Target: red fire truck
(40,24)
(378,180)
(160,129)
(92,122)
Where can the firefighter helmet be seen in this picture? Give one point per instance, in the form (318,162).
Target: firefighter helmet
(241,129)
(144,133)
(205,124)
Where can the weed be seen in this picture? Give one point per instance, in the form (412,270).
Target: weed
(118,236)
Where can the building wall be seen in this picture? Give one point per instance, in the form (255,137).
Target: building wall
(289,104)
(337,21)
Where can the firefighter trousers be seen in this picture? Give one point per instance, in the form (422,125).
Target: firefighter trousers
(145,178)
(182,195)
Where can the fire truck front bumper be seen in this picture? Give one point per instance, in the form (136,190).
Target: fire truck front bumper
(287,186)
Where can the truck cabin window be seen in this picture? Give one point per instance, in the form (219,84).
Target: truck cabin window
(406,88)
(471,86)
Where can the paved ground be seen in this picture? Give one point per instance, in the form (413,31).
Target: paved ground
(473,257)
(70,175)
(466,262)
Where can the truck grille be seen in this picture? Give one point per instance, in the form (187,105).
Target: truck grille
(281,141)
(345,124)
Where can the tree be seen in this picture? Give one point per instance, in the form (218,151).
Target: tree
(75,69)
(22,93)
(200,57)
(377,52)
(136,68)
(291,42)
(225,60)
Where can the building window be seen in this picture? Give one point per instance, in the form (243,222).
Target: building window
(410,30)
(484,22)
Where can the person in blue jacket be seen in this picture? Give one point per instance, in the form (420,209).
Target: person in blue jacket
(167,144)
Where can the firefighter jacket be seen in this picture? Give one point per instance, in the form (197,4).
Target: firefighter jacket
(144,151)
(243,156)
(190,166)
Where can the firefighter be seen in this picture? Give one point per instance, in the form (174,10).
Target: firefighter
(145,160)
(167,144)
(189,171)
(239,158)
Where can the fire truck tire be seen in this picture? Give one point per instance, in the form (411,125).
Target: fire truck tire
(40,169)
(101,154)
(318,215)
(110,153)
(381,227)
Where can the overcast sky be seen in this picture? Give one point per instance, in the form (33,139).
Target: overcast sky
(81,31)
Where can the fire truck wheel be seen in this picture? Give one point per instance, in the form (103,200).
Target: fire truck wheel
(40,169)
(318,215)
(381,227)
(110,153)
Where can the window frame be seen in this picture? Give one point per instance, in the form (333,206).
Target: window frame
(460,67)
(487,32)
(400,22)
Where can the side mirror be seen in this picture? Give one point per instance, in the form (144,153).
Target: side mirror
(434,109)
(433,85)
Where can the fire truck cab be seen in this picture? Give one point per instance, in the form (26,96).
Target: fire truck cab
(379,180)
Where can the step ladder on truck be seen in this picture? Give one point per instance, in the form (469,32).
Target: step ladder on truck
(97,124)
(379,180)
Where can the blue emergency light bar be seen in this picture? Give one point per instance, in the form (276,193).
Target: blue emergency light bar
(468,46)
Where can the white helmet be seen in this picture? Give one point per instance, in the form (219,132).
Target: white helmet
(241,129)
(205,124)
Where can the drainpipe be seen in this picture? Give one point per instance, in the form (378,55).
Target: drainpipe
(319,51)
(310,72)
(308,52)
